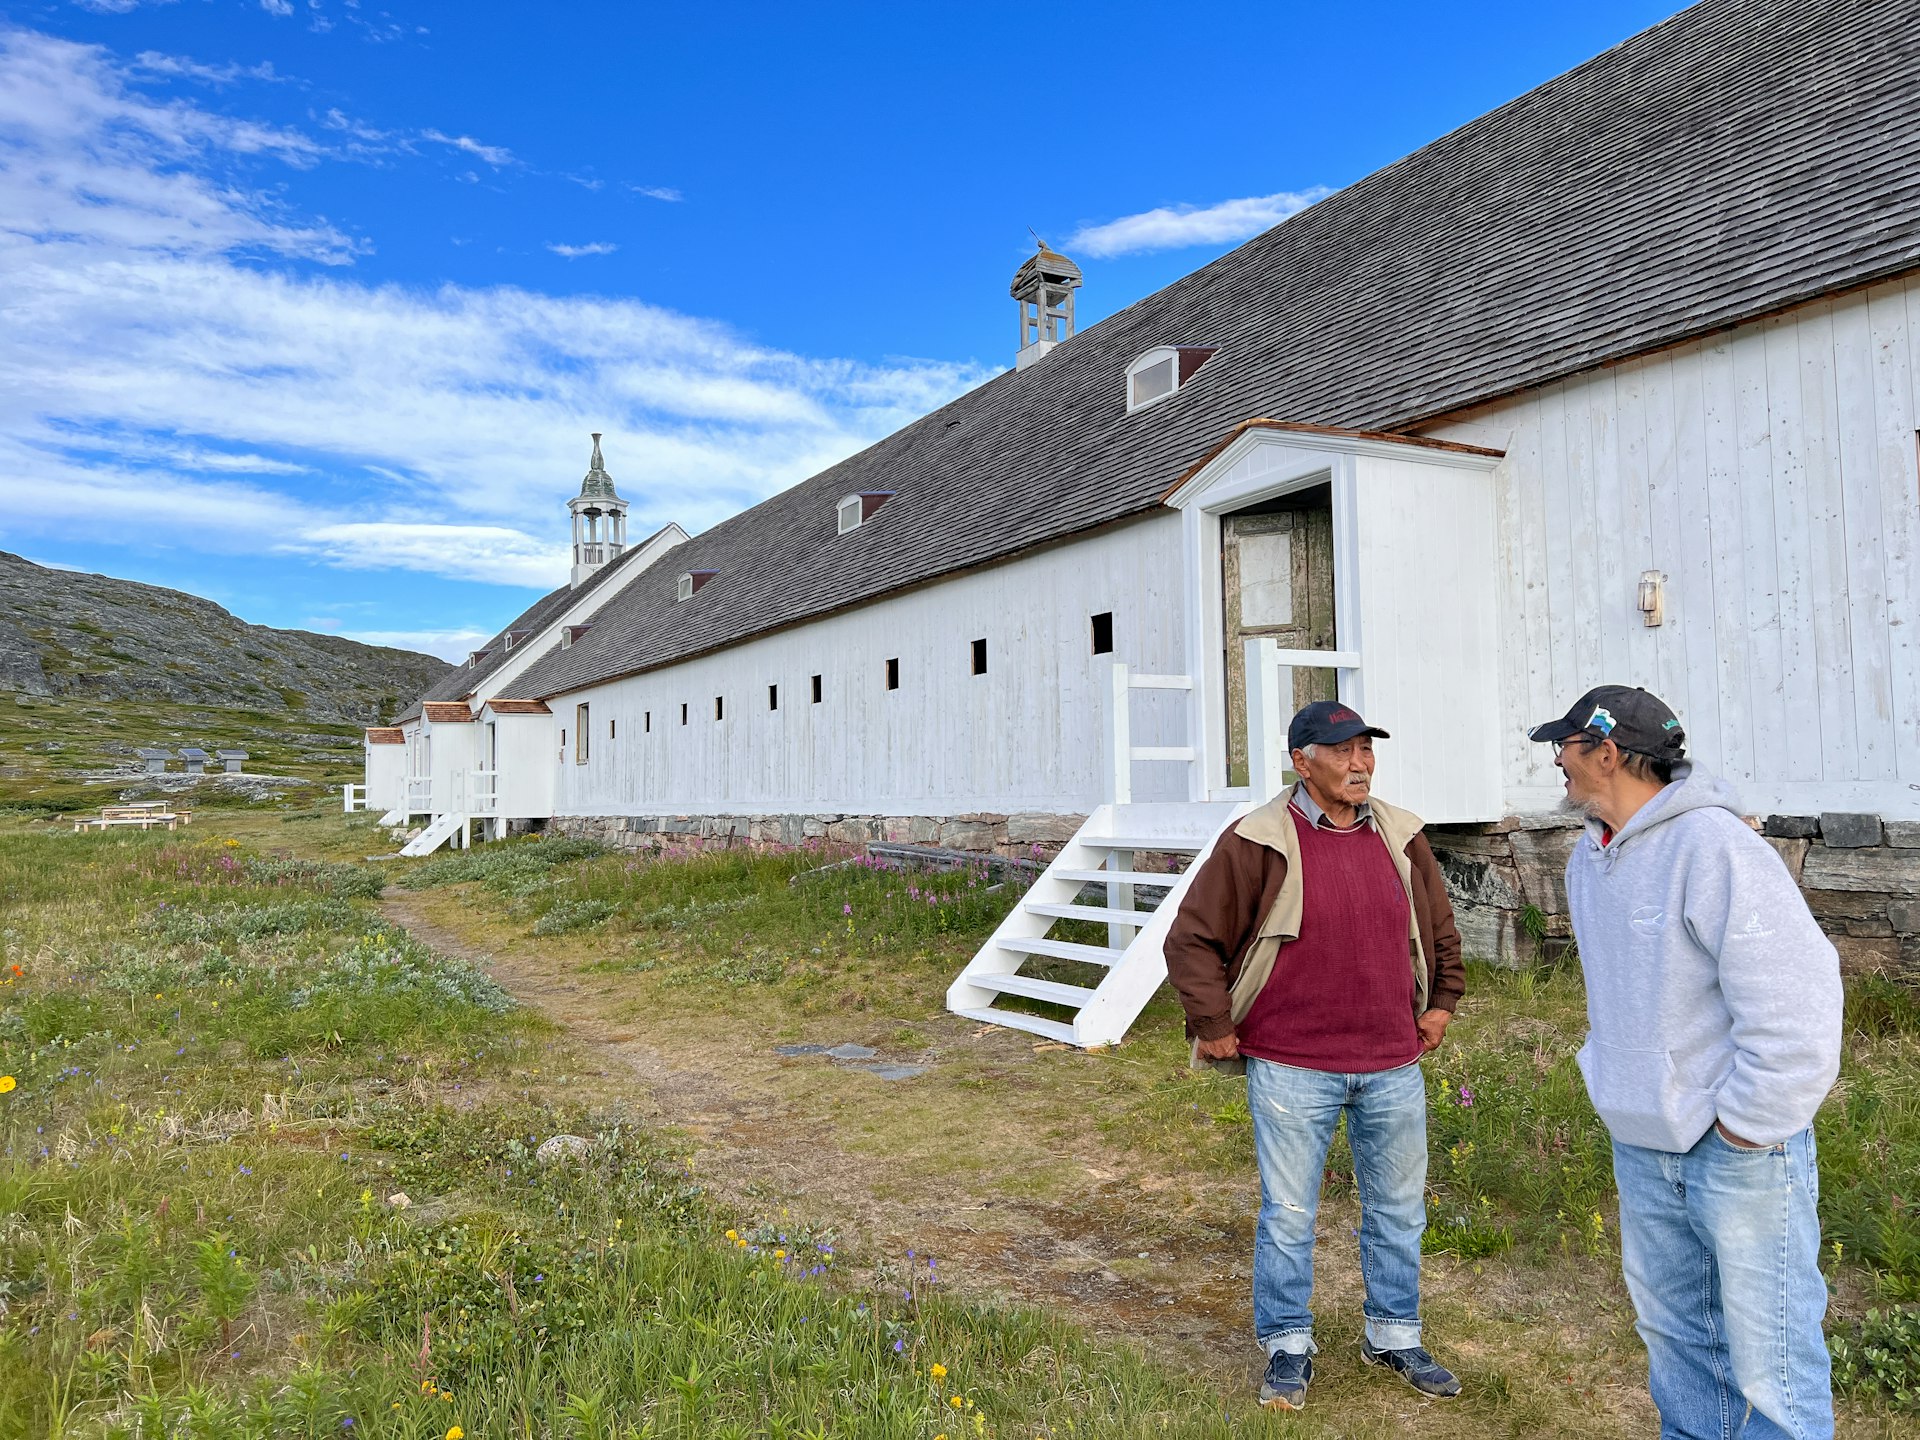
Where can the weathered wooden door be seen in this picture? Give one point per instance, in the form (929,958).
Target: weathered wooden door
(1277,580)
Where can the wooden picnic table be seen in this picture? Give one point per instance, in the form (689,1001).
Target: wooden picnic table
(143,814)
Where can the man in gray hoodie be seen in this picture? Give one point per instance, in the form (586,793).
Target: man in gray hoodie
(1713,1013)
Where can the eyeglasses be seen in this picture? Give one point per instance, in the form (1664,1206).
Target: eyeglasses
(1585,742)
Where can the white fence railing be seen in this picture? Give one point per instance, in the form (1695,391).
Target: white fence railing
(1270,705)
(484,792)
(354,797)
(1121,751)
(420,795)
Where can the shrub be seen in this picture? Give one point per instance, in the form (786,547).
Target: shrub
(1880,1355)
(570,915)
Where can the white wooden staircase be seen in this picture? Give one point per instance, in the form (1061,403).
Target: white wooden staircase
(1096,989)
(439,832)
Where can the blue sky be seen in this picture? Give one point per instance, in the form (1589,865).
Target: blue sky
(307,305)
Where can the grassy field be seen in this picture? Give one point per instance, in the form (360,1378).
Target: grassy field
(51,747)
(269,1168)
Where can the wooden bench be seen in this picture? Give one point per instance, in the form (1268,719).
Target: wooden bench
(143,822)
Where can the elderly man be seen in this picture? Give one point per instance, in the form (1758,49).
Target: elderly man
(1713,1015)
(1316,945)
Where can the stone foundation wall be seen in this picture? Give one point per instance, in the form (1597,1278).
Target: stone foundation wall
(1024,835)
(1860,874)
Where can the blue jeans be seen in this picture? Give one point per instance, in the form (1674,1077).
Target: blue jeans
(1294,1112)
(1721,1250)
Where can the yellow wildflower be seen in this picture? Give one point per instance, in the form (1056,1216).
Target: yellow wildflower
(456,1433)
(6,1083)
(956,1402)
(426,1387)
(779,1254)
(939,1372)
(733,1234)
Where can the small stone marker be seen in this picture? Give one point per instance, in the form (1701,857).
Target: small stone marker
(232,761)
(155,761)
(562,1148)
(196,759)
(895,1071)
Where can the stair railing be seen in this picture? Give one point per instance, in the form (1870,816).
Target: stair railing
(1270,705)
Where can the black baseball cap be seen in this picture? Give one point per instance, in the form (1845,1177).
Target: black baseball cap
(1328,722)
(1625,714)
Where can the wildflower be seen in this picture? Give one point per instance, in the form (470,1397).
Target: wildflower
(6,1083)
(1466,1097)
(957,1403)
(18,970)
(779,1254)
(733,1234)
(939,1372)
(847,909)
(454,1432)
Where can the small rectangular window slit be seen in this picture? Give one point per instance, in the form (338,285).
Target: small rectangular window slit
(816,689)
(893,674)
(980,657)
(1103,633)
(773,697)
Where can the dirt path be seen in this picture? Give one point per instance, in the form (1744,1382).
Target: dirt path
(1138,1246)
(756,1147)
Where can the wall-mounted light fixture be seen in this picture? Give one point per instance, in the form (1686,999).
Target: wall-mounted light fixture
(1653,596)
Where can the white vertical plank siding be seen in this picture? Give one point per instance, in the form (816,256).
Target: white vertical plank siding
(1770,471)
(1761,611)
(1894,427)
(1027,735)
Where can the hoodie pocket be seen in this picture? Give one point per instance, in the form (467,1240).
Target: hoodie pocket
(1639,1095)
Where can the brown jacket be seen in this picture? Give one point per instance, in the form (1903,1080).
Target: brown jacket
(1245,903)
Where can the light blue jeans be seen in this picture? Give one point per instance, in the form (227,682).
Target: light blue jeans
(1721,1250)
(1294,1112)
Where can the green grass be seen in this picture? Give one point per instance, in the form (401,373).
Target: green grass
(92,736)
(225,1069)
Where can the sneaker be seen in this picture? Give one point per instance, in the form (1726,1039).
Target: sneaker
(1285,1385)
(1416,1367)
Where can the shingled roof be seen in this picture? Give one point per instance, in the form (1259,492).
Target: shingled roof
(462,681)
(1739,158)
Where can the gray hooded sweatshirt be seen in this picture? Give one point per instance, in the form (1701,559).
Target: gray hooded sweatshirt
(1711,993)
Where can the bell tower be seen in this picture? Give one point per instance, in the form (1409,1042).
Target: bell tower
(1044,288)
(599,519)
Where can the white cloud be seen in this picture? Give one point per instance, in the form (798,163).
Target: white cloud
(462,552)
(447,644)
(1172,227)
(189,355)
(574,252)
(494,155)
(658,192)
(152,62)
(276,7)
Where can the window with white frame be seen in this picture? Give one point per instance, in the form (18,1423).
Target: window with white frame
(1161,371)
(849,512)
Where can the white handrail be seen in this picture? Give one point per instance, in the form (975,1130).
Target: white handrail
(1121,751)
(1269,675)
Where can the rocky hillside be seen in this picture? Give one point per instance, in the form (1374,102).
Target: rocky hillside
(91,636)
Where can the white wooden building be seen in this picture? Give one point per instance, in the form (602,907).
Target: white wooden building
(1618,383)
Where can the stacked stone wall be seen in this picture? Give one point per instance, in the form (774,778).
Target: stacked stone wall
(1025,835)
(1860,874)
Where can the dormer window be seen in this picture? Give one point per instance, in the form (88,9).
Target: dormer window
(571,633)
(692,580)
(856,509)
(513,638)
(1160,372)
(474,657)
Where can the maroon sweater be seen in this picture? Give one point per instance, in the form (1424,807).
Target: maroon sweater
(1341,996)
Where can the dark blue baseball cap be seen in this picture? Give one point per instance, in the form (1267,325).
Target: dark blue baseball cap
(1329,722)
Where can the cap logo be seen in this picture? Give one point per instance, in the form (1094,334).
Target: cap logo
(1601,720)
(1669,724)
(1341,716)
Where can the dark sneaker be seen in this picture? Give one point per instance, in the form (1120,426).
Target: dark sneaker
(1416,1367)
(1285,1385)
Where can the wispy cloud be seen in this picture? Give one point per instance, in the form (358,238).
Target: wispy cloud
(494,155)
(277,7)
(197,356)
(574,252)
(152,62)
(1174,227)
(658,192)
(447,644)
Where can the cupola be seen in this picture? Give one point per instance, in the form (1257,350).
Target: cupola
(599,519)
(1044,288)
